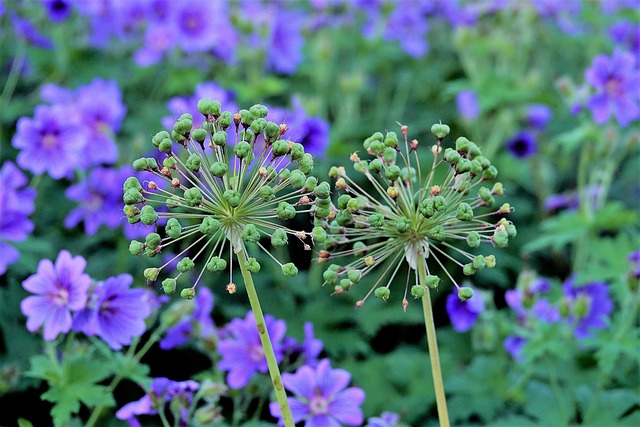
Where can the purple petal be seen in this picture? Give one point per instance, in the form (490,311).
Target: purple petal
(346,406)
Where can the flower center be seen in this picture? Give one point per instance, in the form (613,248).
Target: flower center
(319,405)
(49,140)
(61,298)
(613,87)
(257,353)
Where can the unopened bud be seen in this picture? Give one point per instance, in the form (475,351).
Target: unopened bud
(188,293)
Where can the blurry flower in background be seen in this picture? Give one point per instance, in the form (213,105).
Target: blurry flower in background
(616,83)
(585,307)
(309,349)
(408,26)
(386,419)
(522,145)
(57,10)
(634,257)
(17,202)
(23,28)
(571,200)
(463,314)
(322,397)
(626,34)
(538,116)
(513,345)
(241,350)
(59,290)
(467,103)
(192,321)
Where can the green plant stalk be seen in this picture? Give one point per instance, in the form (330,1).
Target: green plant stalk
(434,356)
(274,371)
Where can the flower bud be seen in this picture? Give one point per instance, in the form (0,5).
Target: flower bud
(354,275)
(188,293)
(393,192)
(290,270)
(323,190)
(193,196)
(209,225)
(369,261)
(158,137)
(152,240)
(231,288)
(185,265)
(382,293)
(151,273)
(169,286)
(417,291)
(465,293)
(582,306)
(132,197)
(216,264)
(135,247)
(148,215)
(252,265)
(319,234)
(285,211)
(250,233)
(392,173)
(440,130)
(468,269)
(331,277)
(464,212)
(279,238)
(140,164)
(232,197)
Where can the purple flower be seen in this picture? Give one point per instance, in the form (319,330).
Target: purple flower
(100,197)
(242,353)
(616,81)
(115,312)
(284,53)
(571,201)
(513,345)
(386,419)
(634,257)
(463,315)
(49,142)
(589,306)
(58,10)
(26,30)
(196,324)
(626,34)
(60,289)
(16,204)
(408,25)
(321,397)
(310,348)
(181,105)
(467,103)
(538,116)
(522,145)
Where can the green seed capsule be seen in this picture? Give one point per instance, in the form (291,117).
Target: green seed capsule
(232,197)
(431,281)
(279,238)
(331,277)
(151,273)
(216,264)
(250,233)
(185,265)
(169,286)
(417,291)
(468,270)
(132,197)
(140,164)
(148,215)
(218,169)
(188,293)
(173,228)
(252,265)
(193,196)
(289,270)
(465,293)
(135,247)
(382,293)
(464,212)
(285,211)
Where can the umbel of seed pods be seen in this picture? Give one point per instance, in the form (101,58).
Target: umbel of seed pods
(400,214)
(216,197)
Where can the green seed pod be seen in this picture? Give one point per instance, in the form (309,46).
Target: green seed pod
(220,138)
(130,211)
(199,135)
(474,151)
(354,205)
(437,233)
(185,264)
(391,140)
(258,125)
(343,200)
(490,261)
(500,238)
(476,167)
(289,270)
(134,219)
(225,120)
(490,173)
(183,126)
(310,184)
(232,197)
(417,291)
(354,275)
(322,212)
(252,265)
(464,212)
(462,145)
(319,234)
(484,162)
(279,238)
(376,220)
(173,202)
(331,277)
(403,225)
(173,228)
(361,167)
(148,215)
(440,130)
(165,145)
(345,284)
(140,164)
(206,106)
(169,286)
(258,111)
(360,249)
(439,203)
(297,179)
(382,293)
(132,197)
(285,211)
(242,149)
(271,131)
(464,165)
(376,147)
(245,117)
(188,293)
(266,193)
(427,208)
(216,264)
(150,252)
(177,136)
(405,175)
(465,293)
(305,164)
(152,240)
(473,239)
(193,196)
(497,189)
(511,230)
(323,190)
(169,162)
(390,155)
(375,165)
(218,169)
(392,173)
(131,183)
(151,273)
(344,218)
(209,225)
(135,247)
(581,306)
(297,151)
(431,281)
(484,194)
(479,262)
(158,137)
(250,233)
(247,136)
(185,116)
(452,156)
(193,162)
(334,172)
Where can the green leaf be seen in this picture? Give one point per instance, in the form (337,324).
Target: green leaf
(546,406)
(44,368)
(24,423)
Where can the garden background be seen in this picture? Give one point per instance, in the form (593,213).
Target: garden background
(549,89)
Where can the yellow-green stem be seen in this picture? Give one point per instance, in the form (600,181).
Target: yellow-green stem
(434,356)
(272,363)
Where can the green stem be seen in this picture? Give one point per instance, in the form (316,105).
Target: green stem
(272,363)
(434,356)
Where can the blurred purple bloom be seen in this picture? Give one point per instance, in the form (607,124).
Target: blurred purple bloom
(25,29)
(408,26)
(525,303)
(58,10)
(115,312)
(386,419)
(634,257)
(60,289)
(563,12)
(196,324)
(616,80)
(595,296)
(312,347)
(285,53)
(463,314)
(571,201)
(538,116)
(49,142)
(158,39)
(241,351)
(16,204)
(612,6)
(513,345)
(467,103)
(100,199)
(626,35)
(522,145)
(322,397)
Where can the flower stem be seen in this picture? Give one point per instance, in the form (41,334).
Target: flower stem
(438,383)
(272,363)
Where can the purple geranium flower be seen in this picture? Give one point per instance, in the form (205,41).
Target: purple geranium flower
(60,289)
(634,257)
(49,142)
(386,419)
(626,35)
(616,81)
(408,25)
(242,353)
(197,323)
(26,30)
(321,397)
(538,116)
(513,344)
(100,199)
(16,204)
(589,306)
(285,51)
(467,103)
(58,10)
(522,145)
(463,314)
